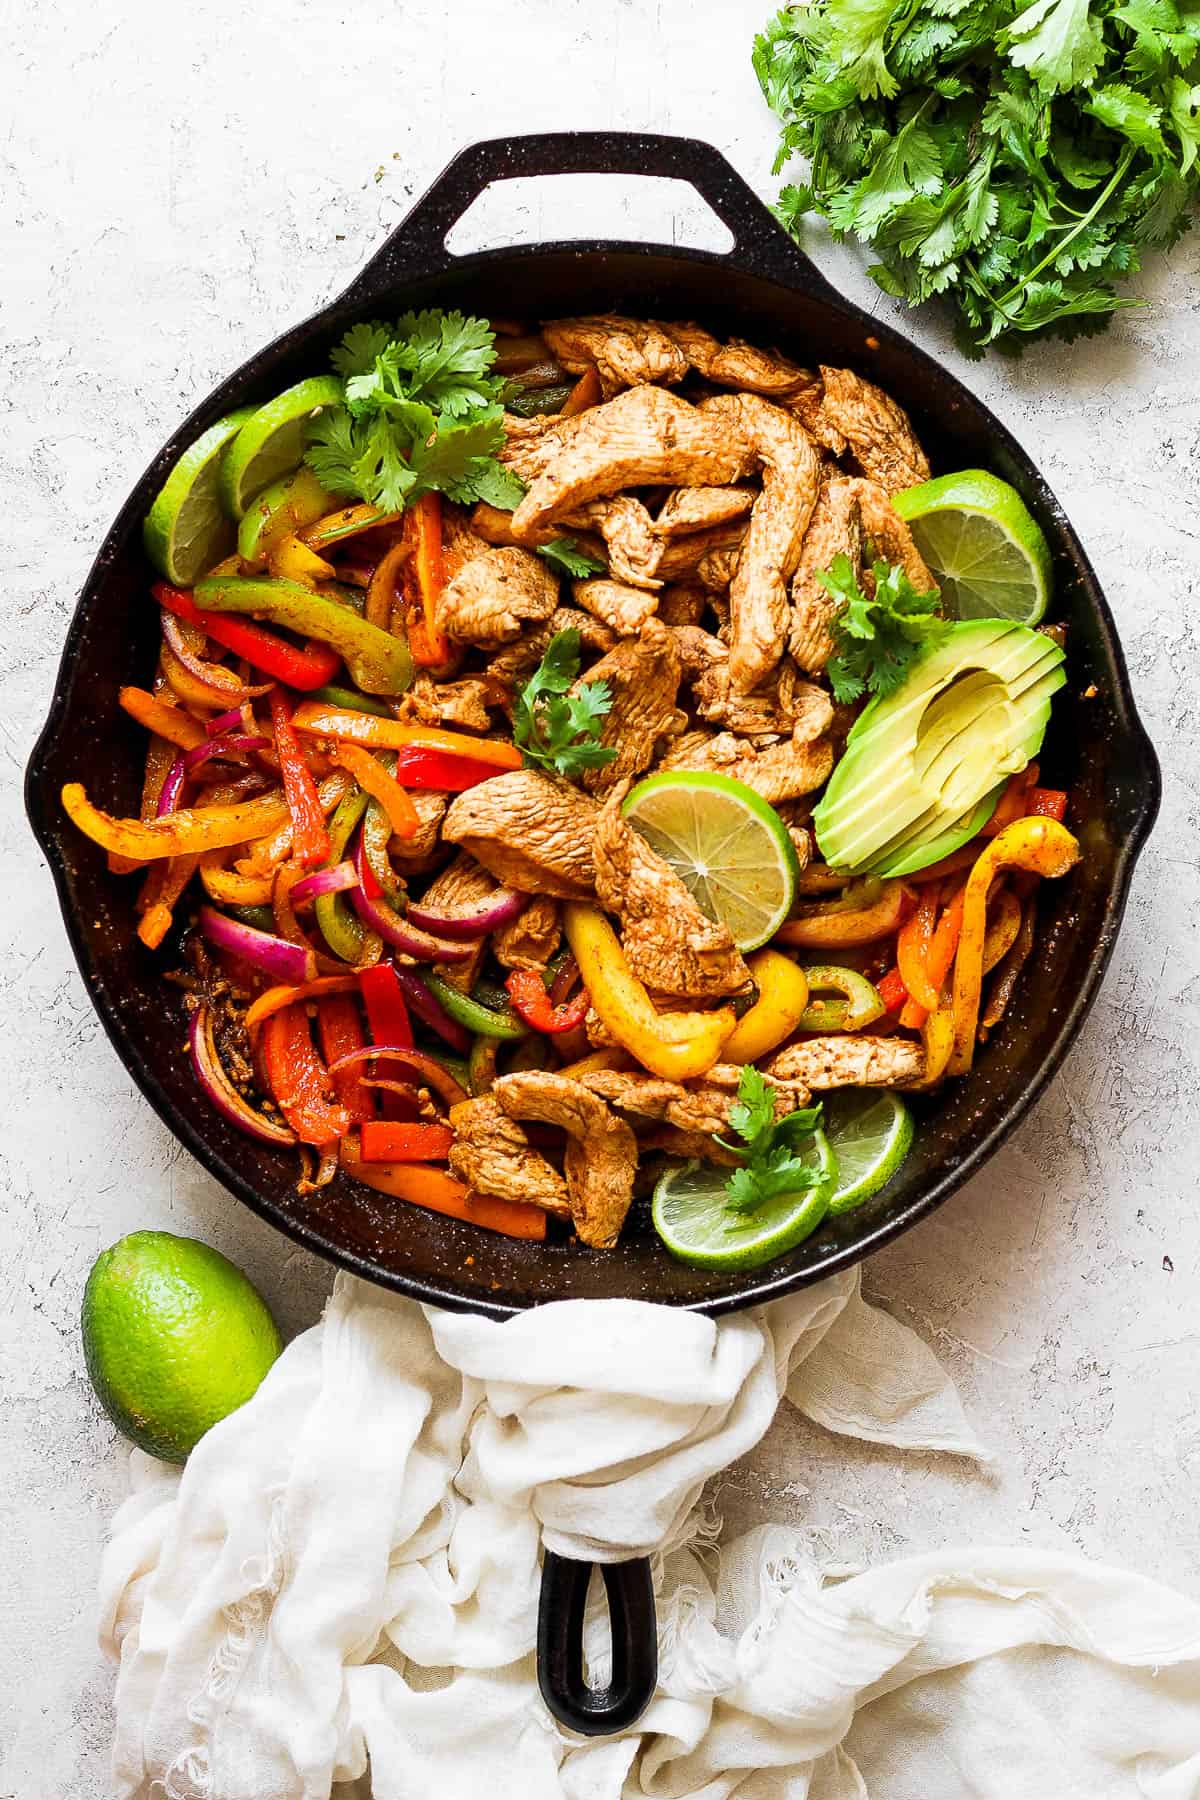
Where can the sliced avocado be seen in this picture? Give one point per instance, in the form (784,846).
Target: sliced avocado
(923,768)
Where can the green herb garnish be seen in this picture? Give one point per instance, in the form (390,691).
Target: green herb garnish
(565,555)
(1016,158)
(422,412)
(557,730)
(875,640)
(770,1165)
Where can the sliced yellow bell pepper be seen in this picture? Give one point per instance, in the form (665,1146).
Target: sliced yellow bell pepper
(189,831)
(782,998)
(834,930)
(292,560)
(1042,846)
(676,1046)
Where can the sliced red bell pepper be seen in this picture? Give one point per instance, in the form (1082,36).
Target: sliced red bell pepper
(420,768)
(527,991)
(387,1014)
(303,666)
(310,839)
(892,991)
(1046,803)
(1011,804)
(299,1080)
(340,1030)
(385,1140)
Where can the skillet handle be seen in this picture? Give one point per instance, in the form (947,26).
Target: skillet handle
(418,244)
(596,1712)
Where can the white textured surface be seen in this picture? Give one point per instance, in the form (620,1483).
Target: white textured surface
(181,183)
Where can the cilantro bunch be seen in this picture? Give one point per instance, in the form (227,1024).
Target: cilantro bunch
(770,1164)
(422,411)
(1017,159)
(875,640)
(554,729)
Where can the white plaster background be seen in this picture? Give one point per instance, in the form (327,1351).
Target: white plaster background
(180,183)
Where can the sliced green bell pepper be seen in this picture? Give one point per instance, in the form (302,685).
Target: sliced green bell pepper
(378,662)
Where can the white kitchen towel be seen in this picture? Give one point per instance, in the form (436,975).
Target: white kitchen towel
(344,1579)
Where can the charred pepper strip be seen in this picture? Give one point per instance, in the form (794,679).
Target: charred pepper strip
(303,666)
(310,839)
(378,662)
(299,1079)
(1042,846)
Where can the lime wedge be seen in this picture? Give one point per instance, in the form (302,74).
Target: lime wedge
(983,546)
(871,1133)
(691,1218)
(271,442)
(731,850)
(185,532)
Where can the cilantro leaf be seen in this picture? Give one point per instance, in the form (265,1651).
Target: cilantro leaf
(877,637)
(555,729)
(771,1165)
(1058,42)
(422,412)
(564,555)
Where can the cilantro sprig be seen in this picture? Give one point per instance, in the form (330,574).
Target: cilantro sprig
(770,1165)
(566,558)
(876,639)
(422,411)
(553,728)
(1017,158)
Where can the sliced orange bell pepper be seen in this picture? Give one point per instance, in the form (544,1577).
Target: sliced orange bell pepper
(441,1193)
(274,999)
(586,392)
(406,1141)
(837,930)
(374,779)
(912,950)
(431,647)
(310,840)
(389,734)
(939,958)
(170,722)
(340,1031)
(299,1079)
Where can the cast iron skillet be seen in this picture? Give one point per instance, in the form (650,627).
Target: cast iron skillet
(766,290)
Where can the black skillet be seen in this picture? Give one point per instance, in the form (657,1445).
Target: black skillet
(766,290)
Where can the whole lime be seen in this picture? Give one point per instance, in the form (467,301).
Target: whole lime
(175,1338)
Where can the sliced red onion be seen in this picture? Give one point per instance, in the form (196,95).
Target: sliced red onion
(394,929)
(230,744)
(427,1067)
(343,875)
(474,921)
(235,720)
(211,1075)
(287,963)
(429,1008)
(223,685)
(172,788)
(564,981)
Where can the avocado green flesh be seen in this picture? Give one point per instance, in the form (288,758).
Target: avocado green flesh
(924,768)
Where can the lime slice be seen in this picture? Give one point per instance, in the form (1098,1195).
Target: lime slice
(871,1133)
(983,546)
(691,1218)
(271,442)
(731,850)
(185,532)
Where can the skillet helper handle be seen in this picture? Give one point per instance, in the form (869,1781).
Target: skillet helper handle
(596,1712)
(418,244)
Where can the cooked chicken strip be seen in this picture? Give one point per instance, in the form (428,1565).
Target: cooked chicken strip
(517,660)
(601,1159)
(778,771)
(685,556)
(682,603)
(430,807)
(849,1061)
(531,446)
(534,833)
(463,703)
(879,432)
(491,1154)
(835,529)
(495,595)
(758,596)
(643,676)
(529,940)
(629,534)
(888,534)
(701,1106)
(643,437)
(701,508)
(774,709)
(669,943)
(626,352)
(620,606)
(715,571)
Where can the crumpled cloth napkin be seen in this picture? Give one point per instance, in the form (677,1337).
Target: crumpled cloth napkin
(342,1584)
